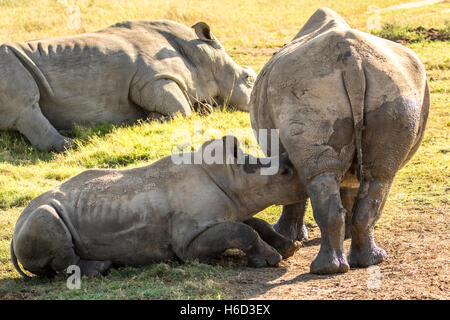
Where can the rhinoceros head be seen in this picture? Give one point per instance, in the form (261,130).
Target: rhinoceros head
(234,83)
(259,181)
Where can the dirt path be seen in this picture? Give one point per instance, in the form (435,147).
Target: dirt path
(417,268)
(409,5)
(374,21)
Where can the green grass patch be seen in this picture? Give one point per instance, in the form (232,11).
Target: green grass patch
(409,34)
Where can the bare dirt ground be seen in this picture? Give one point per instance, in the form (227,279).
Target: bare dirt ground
(417,267)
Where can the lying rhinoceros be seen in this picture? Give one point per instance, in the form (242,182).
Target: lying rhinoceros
(119,74)
(351,109)
(138,216)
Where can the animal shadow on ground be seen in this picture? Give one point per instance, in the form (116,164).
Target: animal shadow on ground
(264,282)
(312,242)
(16,149)
(253,282)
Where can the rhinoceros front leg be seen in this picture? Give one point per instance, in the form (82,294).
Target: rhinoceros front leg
(232,235)
(283,245)
(291,223)
(39,131)
(162,96)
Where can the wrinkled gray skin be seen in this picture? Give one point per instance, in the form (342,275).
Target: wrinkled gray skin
(143,215)
(129,71)
(345,102)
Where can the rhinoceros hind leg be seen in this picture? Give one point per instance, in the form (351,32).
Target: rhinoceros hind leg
(232,235)
(43,244)
(291,223)
(330,217)
(367,210)
(283,245)
(40,132)
(348,196)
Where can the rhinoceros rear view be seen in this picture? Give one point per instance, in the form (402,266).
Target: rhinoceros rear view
(119,74)
(345,102)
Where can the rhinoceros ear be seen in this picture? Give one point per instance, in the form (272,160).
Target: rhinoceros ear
(203,31)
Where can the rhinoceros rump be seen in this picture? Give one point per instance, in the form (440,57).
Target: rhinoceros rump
(351,109)
(153,213)
(119,74)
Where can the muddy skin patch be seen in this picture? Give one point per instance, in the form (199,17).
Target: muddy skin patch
(343,56)
(395,119)
(396,109)
(297,95)
(342,134)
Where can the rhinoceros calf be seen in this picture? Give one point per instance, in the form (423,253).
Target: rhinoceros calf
(138,216)
(345,102)
(118,74)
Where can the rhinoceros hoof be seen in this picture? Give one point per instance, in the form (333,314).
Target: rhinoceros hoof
(290,250)
(263,255)
(269,260)
(326,263)
(64,144)
(292,232)
(362,258)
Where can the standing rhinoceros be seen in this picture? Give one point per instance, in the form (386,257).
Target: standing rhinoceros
(351,109)
(119,74)
(153,213)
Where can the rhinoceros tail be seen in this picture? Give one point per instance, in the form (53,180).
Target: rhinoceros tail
(16,264)
(354,79)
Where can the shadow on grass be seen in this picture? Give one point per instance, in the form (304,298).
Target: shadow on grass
(166,280)
(227,277)
(17,150)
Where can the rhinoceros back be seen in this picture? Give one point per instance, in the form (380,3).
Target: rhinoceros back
(83,78)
